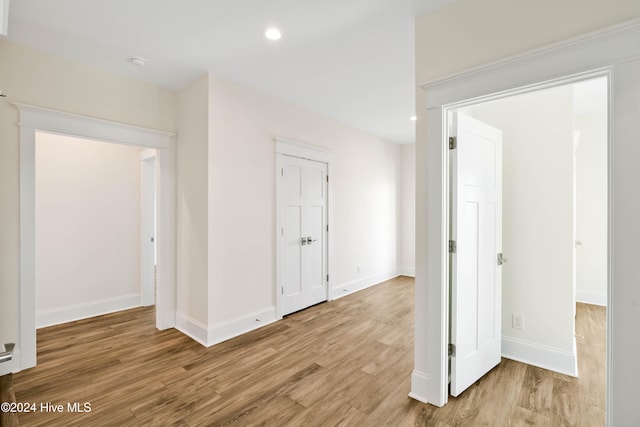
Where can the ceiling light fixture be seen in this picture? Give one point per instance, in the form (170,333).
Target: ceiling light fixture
(273,33)
(138,60)
(414,118)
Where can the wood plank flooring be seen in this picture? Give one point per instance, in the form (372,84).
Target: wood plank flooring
(346,362)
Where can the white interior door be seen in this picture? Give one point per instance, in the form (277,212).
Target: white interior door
(304,278)
(476,228)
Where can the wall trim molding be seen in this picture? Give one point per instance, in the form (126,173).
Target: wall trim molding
(232,328)
(591,297)
(70,313)
(349,288)
(219,332)
(553,359)
(407,271)
(420,382)
(192,328)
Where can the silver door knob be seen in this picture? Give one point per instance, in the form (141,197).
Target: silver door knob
(303,241)
(310,240)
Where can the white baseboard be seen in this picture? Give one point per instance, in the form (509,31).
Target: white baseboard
(214,334)
(591,297)
(419,386)
(232,328)
(56,316)
(192,328)
(554,359)
(407,271)
(360,284)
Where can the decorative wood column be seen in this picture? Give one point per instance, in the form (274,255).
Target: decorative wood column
(7,419)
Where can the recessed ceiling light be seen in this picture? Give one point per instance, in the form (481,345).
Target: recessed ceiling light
(414,118)
(138,60)
(273,33)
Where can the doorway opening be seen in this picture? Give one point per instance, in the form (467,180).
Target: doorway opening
(555,200)
(95,226)
(36,119)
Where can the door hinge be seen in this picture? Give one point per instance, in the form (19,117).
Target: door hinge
(452,349)
(282,172)
(327,178)
(453,246)
(327,277)
(327,228)
(453,142)
(282,290)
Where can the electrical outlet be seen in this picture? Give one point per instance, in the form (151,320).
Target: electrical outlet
(517,321)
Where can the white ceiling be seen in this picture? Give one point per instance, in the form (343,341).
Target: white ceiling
(352,60)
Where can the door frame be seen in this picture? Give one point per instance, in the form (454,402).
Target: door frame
(34,119)
(613,52)
(148,163)
(285,147)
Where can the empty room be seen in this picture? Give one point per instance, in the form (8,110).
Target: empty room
(250,213)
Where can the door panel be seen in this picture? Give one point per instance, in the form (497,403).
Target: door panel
(476,226)
(304,233)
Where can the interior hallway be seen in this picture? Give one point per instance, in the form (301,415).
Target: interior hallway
(344,362)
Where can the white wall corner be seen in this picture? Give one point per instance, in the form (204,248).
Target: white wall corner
(240,325)
(591,297)
(419,386)
(192,328)
(407,271)
(56,316)
(348,288)
(553,359)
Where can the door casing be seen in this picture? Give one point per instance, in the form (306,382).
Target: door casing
(33,119)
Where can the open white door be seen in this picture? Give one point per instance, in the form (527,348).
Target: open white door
(476,232)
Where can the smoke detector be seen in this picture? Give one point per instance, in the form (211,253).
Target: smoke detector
(138,60)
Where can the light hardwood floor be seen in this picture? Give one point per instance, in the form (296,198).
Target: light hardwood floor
(346,362)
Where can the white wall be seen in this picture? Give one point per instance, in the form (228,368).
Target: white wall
(537,281)
(240,204)
(591,194)
(407,211)
(36,78)
(192,168)
(365,175)
(87,228)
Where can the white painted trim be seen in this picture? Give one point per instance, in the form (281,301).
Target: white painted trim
(302,150)
(407,271)
(591,297)
(419,386)
(4,17)
(53,121)
(70,313)
(286,147)
(192,328)
(615,51)
(348,288)
(232,328)
(42,119)
(553,359)
(219,332)
(148,162)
